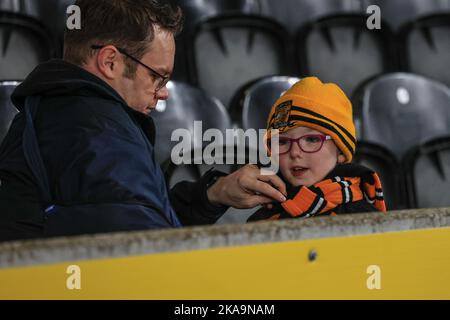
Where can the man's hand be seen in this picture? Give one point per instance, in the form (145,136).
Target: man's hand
(247,188)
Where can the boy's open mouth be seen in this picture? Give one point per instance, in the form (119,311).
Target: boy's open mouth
(298,171)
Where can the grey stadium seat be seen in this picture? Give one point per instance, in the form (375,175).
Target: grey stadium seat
(428,174)
(7,109)
(24,43)
(293,14)
(229,51)
(426,47)
(24,7)
(252,103)
(51,13)
(185,105)
(399,12)
(340,49)
(401,110)
(384,163)
(195,12)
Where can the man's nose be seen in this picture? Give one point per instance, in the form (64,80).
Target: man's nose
(162,94)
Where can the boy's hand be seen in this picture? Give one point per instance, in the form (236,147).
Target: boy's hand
(247,188)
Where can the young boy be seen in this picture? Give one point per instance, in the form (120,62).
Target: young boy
(315,149)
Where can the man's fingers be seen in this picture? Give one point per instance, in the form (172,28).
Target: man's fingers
(275,181)
(254,201)
(267,190)
(268,206)
(247,188)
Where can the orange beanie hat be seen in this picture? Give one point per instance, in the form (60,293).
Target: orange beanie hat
(322,107)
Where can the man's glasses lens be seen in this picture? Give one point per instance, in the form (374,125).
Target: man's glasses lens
(161,83)
(160,80)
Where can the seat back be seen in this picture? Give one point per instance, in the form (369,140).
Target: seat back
(294,14)
(426,47)
(186,104)
(252,104)
(7,109)
(384,163)
(24,43)
(51,13)
(228,52)
(400,110)
(342,50)
(195,12)
(428,174)
(399,12)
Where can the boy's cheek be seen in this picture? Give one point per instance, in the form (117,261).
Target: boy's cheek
(294,181)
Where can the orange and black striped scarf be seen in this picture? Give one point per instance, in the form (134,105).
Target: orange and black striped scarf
(345,185)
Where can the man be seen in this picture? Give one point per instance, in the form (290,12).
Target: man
(79,157)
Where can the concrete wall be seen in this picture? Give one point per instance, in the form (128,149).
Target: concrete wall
(26,253)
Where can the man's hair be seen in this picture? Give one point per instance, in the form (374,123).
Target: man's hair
(127,24)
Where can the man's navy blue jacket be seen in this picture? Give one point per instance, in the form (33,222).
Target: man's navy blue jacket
(99,158)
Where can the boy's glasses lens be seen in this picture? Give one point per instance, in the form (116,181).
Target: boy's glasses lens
(284,145)
(311,143)
(308,143)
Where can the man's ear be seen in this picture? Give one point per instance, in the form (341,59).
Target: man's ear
(109,62)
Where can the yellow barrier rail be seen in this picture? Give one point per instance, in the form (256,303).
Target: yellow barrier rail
(404,255)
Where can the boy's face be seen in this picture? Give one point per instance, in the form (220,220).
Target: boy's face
(306,169)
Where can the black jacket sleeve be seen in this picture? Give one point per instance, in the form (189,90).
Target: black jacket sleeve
(190,201)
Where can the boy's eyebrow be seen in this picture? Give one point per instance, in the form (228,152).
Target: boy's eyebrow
(309,131)
(312,131)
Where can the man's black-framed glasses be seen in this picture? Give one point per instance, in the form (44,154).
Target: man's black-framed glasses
(160,80)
